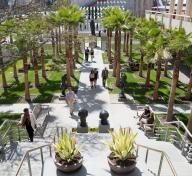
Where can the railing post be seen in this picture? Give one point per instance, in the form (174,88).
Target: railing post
(19,134)
(50,151)
(166,134)
(146,157)
(42,161)
(2,144)
(160,164)
(10,134)
(58,132)
(29,164)
(137,151)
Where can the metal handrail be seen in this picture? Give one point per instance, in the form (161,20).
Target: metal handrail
(163,154)
(26,155)
(178,123)
(58,133)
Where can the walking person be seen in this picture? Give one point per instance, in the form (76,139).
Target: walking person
(96,77)
(86,54)
(71,99)
(92,54)
(29,122)
(104,76)
(92,77)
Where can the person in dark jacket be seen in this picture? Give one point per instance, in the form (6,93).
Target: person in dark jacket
(29,122)
(104,76)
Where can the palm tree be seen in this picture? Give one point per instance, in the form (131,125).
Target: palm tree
(10,27)
(108,26)
(179,41)
(71,17)
(4,81)
(188,61)
(141,34)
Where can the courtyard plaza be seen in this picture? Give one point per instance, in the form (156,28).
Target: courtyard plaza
(95,150)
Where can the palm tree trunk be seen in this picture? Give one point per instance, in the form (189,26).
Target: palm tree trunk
(189,87)
(130,46)
(37,84)
(124,42)
(56,43)
(4,81)
(158,75)
(109,46)
(70,52)
(60,50)
(68,68)
(173,87)
(166,68)
(26,79)
(43,62)
(76,44)
(53,43)
(31,57)
(147,81)
(141,64)
(116,54)
(14,62)
(127,45)
(118,67)
(189,125)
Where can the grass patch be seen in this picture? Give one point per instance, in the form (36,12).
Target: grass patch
(135,86)
(105,58)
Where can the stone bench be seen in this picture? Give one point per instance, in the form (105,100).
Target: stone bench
(40,112)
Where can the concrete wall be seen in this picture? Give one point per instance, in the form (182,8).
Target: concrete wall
(174,23)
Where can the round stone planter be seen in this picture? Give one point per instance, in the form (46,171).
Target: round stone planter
(67,168)
(122,169)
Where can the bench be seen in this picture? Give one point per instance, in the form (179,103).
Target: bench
(40,112)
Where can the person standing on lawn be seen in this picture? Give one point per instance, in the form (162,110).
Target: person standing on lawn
(29,122)
(71,99)
(104,76)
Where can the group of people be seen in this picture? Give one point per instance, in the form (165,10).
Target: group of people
(147,117)
(94,75)
(87,52)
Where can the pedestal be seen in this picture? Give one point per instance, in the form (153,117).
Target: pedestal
(104,128)
(81,129)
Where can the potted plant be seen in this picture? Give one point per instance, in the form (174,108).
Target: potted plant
(67,155)
(122,158)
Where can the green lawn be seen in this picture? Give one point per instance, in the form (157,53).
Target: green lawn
(50,86)
(135,87)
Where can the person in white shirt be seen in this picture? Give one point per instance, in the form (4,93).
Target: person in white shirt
(70,99)
(29,122)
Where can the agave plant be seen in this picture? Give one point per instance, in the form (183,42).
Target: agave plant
(66,148)
(123,144)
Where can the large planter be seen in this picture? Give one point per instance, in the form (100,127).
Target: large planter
(68,167)
(121,167)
